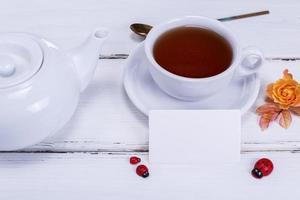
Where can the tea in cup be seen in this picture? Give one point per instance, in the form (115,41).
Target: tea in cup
(194,57)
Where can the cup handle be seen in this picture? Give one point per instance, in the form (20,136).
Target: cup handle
(252,60)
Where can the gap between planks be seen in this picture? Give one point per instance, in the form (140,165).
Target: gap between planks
(124,153)
(98,147)
(131,152)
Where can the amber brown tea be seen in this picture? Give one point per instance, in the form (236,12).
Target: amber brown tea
(193,52)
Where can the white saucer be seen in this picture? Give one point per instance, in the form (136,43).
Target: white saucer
(146,95)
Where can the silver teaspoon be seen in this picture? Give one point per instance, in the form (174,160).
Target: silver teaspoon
(143,29)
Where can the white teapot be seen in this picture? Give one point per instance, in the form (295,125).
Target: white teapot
(40,85)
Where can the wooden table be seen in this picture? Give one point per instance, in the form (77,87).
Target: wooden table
(88,159)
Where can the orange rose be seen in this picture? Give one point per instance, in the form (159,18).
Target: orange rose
(285,92)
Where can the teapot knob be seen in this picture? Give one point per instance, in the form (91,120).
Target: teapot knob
(7,67)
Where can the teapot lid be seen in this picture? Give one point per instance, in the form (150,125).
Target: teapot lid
(20,59)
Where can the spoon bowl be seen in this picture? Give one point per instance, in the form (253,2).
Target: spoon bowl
(140,29)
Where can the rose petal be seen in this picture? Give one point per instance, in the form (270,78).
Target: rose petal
(270,91)
(297,105)
(287,75)
(267,108)
(295,110)
(285,119)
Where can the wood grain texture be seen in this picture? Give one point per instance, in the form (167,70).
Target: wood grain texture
(110,176)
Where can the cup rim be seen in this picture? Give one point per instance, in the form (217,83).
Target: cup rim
(153,36)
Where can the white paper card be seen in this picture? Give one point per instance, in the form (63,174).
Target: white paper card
(194,136)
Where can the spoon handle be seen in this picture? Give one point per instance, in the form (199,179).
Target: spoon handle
(265,12)
(124,56)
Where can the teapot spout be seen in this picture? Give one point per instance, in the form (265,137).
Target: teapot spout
(85,56)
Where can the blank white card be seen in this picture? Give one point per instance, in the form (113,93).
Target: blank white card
(194,136)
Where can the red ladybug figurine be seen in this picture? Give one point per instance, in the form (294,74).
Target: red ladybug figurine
(134,160)
(263,167)
(142,171)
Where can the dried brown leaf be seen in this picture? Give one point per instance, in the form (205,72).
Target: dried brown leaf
(285,119)
(267,108)
(274,116)
(295,110)
(269,100)
(264,123)
(267,118)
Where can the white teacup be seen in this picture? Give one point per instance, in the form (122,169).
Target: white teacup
(245,61)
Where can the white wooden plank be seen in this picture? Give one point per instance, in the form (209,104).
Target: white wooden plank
(102,176)
(107,121)
(68,22)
